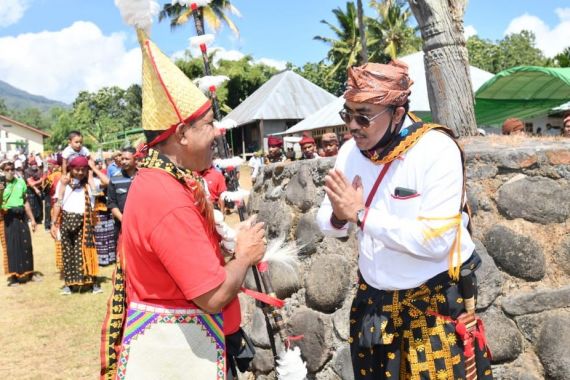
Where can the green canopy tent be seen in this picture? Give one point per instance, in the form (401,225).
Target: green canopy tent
(523,92)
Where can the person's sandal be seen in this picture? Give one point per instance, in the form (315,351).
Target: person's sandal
(65,291)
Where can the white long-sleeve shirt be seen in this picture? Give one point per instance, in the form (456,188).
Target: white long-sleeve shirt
(394,252)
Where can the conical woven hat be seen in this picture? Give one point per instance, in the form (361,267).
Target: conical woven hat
(169,96)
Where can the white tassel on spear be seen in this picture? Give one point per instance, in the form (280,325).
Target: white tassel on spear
(206,83)
(225,163)
(290,365)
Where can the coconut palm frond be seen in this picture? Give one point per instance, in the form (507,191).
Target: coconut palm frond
(211,18)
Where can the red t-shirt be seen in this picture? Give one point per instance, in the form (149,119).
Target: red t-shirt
(216,183)
(171,257)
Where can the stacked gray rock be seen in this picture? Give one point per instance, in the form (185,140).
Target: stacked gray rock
(524,283)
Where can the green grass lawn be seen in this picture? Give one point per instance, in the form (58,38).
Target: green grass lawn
(46,335)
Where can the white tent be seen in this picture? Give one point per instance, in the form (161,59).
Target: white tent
(328,115)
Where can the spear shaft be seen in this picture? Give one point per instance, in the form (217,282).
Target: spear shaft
(224,151)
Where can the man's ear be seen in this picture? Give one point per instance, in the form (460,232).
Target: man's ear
(181,135)
(399,113)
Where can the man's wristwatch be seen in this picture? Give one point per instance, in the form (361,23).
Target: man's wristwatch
(360,217)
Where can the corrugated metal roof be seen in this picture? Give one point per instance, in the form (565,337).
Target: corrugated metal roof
(285,96)
(325,117)
(419,102)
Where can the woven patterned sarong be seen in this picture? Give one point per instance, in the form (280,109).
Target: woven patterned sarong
(161,343)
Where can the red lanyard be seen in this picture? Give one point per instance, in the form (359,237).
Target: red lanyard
(373,191)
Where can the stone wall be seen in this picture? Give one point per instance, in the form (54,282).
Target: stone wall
(519,192)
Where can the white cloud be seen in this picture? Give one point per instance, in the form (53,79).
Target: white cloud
(563,13)
(469,31)
(550,40)
(227,55)
(11,11)
(60,64)
(279,65)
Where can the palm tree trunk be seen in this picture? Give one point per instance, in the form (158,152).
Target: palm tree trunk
(362,32)
(447,67)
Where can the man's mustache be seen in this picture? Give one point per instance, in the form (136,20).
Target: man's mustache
(356,133)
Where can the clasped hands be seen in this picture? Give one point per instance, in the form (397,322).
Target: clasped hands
(346,198)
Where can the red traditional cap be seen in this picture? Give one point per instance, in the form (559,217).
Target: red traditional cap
(79,162)
(274,141)
(376,83)
(512,125)
(307,140)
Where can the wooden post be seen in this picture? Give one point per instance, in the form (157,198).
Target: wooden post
(243,142)
(446,62)
(261,135)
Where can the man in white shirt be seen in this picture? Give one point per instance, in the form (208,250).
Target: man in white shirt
(402,184)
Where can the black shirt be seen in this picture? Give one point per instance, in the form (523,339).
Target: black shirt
(117,190)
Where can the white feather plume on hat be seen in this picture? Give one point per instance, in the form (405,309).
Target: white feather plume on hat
(187,3)
(138,13)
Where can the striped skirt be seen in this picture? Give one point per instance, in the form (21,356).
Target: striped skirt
(105,241)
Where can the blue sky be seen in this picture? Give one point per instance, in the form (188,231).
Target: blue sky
(58,47)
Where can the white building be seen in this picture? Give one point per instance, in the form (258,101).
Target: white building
(17,136)
(281,102)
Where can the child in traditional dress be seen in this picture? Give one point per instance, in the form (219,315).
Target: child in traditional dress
(76,227)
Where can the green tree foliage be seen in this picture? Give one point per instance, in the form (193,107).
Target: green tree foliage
(388,35)
(345,46)
(516,49)
(31,116)
(314,72)
(215,14)
(563,59)
(101,116)
(4,108)
(244,77)
(63,124)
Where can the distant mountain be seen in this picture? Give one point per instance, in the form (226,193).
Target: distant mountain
(19,99)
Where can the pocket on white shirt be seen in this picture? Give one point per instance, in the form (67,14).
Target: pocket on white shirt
(407,206)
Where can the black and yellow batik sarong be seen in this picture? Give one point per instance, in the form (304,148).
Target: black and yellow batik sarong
(410,334)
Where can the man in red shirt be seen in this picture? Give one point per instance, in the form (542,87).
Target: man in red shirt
(216,186)
(179,290)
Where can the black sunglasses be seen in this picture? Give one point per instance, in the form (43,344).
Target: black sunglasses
(362,120)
